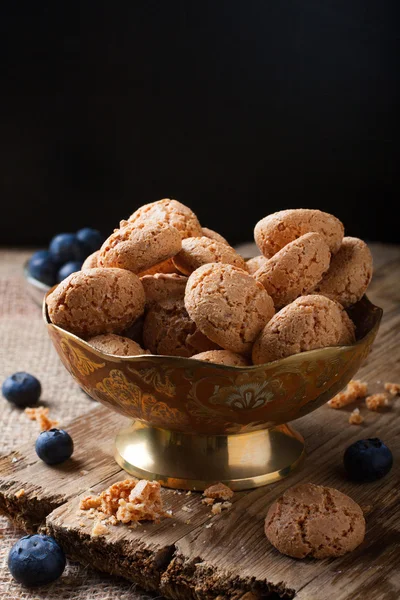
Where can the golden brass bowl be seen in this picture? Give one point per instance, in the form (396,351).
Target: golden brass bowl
(196,423)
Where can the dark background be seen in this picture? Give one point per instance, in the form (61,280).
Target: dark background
(236,108)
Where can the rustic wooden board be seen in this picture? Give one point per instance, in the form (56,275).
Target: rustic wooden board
(182,557)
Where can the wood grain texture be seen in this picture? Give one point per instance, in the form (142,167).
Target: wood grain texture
(181,557)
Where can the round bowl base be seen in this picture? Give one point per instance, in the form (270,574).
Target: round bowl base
(193,462)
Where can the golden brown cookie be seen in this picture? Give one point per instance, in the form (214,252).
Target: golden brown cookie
(275,231)
(137,247)
(315,521)
(228,305)
(117,345)
(88,303)
(308,323)
(198,251)
(255,263)
(161,287)
(171,212)
(349,274)
(213,235)
(296,269)
(223,357)
(91,261)
(168,330)
(167,266)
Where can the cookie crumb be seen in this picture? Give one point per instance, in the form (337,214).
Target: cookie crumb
(20,493)
(226,505)
(208,501)
(393,388)
(186,509)
(81,524)
(356,418)
(83,472)
(209,525)
(376,401)
(99,529)
(14,459)
(89,502)
(41,415)
(216,508)
(218,491)
(189,493)
(187,522)
(355,389)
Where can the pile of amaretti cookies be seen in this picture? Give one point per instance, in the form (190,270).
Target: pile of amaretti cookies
(163,284)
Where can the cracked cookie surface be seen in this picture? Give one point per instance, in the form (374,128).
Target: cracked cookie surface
(118,345)
(349,274)
(139,247)
(228,305)
(255,263)
(296,269)
(214,235)
(275,231)
(96,301)
(163,286)
(308,323)
(173,213)
(198,251)
(315,521)
(168,330)
(223,357)
(91,262)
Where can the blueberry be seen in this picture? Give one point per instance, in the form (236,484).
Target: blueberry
(367,460)
(66,247)
(42,267)
(91,239)
(36,560)
(54,446)
(22,389)
(69,267)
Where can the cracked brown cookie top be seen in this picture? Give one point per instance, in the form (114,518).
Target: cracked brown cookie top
(308,323)
(275,231)
(315,521)
(296,269)
(164,286)
(117,345)
(137,247)
(255,263)
(168,330)
(95,301)
(349,274)
(228,305)
(223,357)
(198,251)
(91,261)
(213,235)
(171,212)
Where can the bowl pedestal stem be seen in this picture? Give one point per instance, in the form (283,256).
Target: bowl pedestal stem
(192,461)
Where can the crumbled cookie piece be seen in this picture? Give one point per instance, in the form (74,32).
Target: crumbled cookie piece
(376,401)
(218,491)
(208,501)
(393,388)
(216,508)
(41,415)
(355,389)
(99,529)
(90,502)
(20,493)
(356,418)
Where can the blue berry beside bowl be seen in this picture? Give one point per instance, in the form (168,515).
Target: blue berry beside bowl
(66,247)
(91,239)
(22,389)
(41,266)
(36,560)
(54,446)
(367,460)
(67,269)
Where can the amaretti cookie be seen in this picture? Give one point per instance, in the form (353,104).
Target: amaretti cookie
(296,269)
(164,286)
(315,521)
(255,263)
(349,274)
(138,247)
(169,330)
(198,251)
(308,323)
(228,305)
(95,301)
(275,231)
(91,261)
(110,343)
(167,266)
(213,235)
(173,213)
(223,357)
